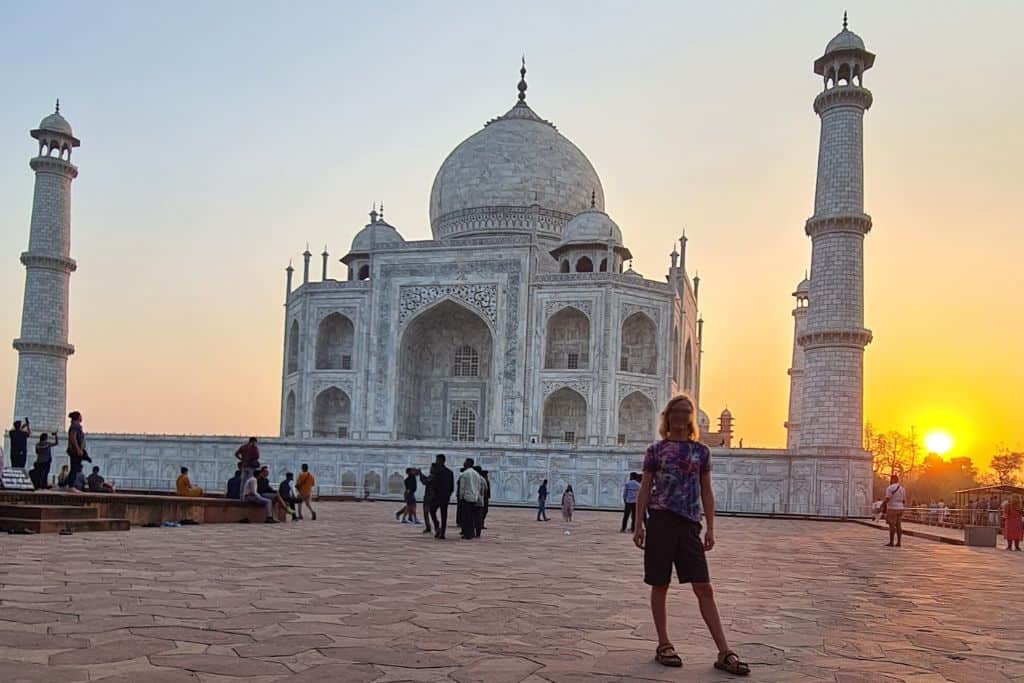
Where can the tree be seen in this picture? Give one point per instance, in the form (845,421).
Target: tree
(939,479)
(1007,465)
(894,452)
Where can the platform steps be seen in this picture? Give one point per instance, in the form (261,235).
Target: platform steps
(52,519)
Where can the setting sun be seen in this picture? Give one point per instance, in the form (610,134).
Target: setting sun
(938,442)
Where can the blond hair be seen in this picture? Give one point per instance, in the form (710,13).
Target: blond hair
(694,430)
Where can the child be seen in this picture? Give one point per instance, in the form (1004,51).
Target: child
(568,503)
(1013,525)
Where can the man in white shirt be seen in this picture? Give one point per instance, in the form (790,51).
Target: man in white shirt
(895,497)
(470,492)
(250,495)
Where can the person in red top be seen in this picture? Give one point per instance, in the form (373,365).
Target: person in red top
(248,457)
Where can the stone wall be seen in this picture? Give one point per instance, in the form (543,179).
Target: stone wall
(747,480)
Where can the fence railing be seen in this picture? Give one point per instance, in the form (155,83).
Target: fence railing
(953,518)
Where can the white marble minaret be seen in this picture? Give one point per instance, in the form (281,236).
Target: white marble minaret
(831,419)
(43,347)
(796,368)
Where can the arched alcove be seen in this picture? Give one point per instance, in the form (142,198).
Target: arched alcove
(688,368)
(636,419)
(584,265)
(568,340)
(331,413)
(293,347)
(334,341)
(639,345)
(565,417)
(289,414)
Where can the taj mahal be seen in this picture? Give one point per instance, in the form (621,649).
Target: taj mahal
(519,335)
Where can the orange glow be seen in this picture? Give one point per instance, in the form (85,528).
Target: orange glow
(938,442)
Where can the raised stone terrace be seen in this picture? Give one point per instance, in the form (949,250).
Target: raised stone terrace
(357,597)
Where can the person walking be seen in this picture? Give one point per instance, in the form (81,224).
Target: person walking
(1013,522)
(428,497)
(676,485)
(305,485)
(487,498)
(568,504)
(893,504)
(76,445)
(410,496)
(44,459)
(629,491)
(19,443)
(442,484)
(542,501)
(470,491)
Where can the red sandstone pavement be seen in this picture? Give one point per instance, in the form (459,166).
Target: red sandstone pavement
(356,597)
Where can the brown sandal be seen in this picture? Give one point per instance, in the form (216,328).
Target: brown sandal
(730,662)
(662,656)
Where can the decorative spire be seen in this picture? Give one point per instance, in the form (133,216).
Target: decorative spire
(57,111)
(382,209)
(307,252)
(373,213)
(522,82)
(593,198)
(289,268)
(325,251)
(844,20)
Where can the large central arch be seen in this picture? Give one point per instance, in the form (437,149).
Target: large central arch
(444,372)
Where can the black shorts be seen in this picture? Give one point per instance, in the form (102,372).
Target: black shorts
(410,498)
(671,539)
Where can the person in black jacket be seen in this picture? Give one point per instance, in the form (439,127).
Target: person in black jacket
(284,490)
(19,443)
(441,486)
(40,473)
(235,486)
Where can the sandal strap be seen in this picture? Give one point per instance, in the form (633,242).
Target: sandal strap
(662,649)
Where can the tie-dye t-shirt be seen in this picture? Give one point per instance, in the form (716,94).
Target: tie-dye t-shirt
(676,467)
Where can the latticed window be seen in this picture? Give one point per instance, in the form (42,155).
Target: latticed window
(342,432)
(622,439)
(467,362)
(570,437)
(463,424)
(573,362)
(346,362)
(624,364)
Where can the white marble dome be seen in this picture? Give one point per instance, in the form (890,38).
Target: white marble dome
(844,40)
(518,162)
(375,234)
(591,227)
(55,123)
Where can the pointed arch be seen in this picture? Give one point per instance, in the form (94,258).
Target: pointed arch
(293,347)
(332,411)
(334,341)
(289,414)
(636,419)
(639,345)
(584,265)
(567,344)
(565,417)
(688,368)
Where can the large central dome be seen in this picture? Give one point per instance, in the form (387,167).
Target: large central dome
(517,175)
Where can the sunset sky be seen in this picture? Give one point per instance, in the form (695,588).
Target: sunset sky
(218,140)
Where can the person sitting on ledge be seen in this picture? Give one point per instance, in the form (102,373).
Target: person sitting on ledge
(96,484)
(184,485)
(266,489)
(234,491)
(251,495)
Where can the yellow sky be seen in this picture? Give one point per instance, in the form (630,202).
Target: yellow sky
(194,193)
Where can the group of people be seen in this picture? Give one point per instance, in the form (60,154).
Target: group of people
(72,477)
(472,490)
(251,483)
(568,503)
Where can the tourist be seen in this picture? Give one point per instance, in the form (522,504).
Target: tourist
(568,504)
(304,485)
(77,482)
(286,492)
(64,477)
(442,483)
(248,457)
(428,497)
(76,444)
(19,443)
(1013,524)
(183,486)
(96,483)
(470,487)
(44,458)
(483,501)
(893,504)
(410,496)
(629,491)
(234,491)
(542,501)
(250,494)
(265,489)
(676,485)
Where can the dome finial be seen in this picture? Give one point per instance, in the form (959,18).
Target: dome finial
(57,110)
(522,82)
(844,20)
(593,198)
(373,213)
(382,209)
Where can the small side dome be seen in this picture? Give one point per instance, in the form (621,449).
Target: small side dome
(55,123)
(802,289)
(703,421)
(844,40)
(726,415)
(592,226)
(376,234)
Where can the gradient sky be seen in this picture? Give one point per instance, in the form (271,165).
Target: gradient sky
(218,140)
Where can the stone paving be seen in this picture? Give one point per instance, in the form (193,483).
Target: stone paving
(356,597)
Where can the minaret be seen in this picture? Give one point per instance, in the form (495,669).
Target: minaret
(796,368)
(831,420)
(43,347)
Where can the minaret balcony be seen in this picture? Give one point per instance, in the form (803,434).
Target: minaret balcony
(856,338)
(44,348)
(858,224)
(843,95)
(53,165)
(40,260)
